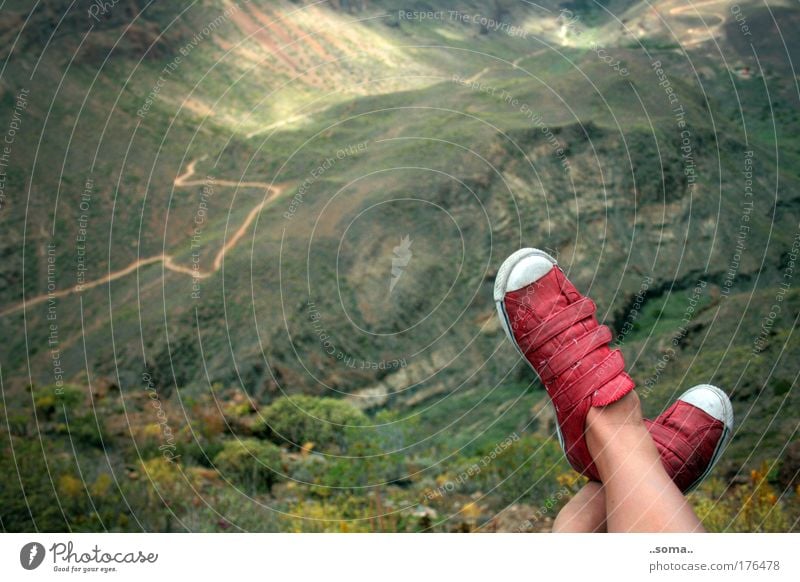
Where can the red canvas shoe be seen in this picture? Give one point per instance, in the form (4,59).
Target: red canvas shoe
(692,433)
(555,329)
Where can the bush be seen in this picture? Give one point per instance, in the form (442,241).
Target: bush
(91,505)
(347,514)
(65,406)
(330,476)
(527,471)
(298,420)
(162,494)
(754,506)
(52,399)
(87,430)
(30,501)
(194,447)
(227,510)
(251,463)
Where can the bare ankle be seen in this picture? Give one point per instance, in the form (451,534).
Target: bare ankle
(626,411)
(615,431)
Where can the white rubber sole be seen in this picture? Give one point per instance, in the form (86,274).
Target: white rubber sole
(500,290)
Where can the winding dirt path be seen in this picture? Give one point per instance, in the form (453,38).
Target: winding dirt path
(693,6)
(711,30)
(181,181)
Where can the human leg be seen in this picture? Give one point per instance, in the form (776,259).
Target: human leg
(553,326)
(690,436)
(639,494)
(585,512)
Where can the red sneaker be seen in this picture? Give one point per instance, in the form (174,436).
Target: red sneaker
(692,433)
(554,328)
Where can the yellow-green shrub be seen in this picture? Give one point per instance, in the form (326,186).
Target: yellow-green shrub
(250,463)
(754,506)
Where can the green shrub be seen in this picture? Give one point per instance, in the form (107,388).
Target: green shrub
(66,406)
(52,399)
(298,420)
(333,475)
(346,514)
(367,458)
(250,463)
(28,501)
(161,493)
(87,430)
(201,451)
(31,501)
(526,471)
(228,510)
(91,505)
(754,506)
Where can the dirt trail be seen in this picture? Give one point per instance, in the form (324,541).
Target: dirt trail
(692,7)
(711,30)
(181,181)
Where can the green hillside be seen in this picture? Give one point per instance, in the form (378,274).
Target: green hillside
(261,238)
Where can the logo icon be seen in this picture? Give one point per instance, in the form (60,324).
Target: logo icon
(402,255)
(31,555)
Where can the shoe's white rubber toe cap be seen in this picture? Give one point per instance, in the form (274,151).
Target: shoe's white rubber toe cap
(528,270)
(520,270)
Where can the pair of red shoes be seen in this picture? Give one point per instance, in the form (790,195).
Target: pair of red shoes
(555,329)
